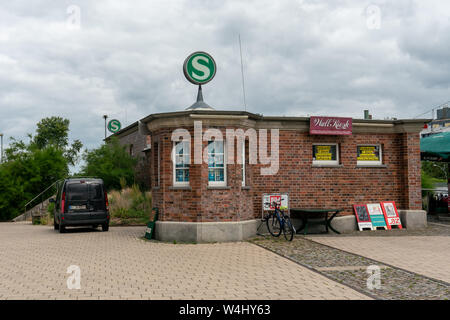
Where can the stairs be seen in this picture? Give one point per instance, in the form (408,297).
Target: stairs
(37,211)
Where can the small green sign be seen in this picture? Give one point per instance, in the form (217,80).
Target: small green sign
(114,125)
(199,68)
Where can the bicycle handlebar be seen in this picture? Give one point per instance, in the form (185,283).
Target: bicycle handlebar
(276,205)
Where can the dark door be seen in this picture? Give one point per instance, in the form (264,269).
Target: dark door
(77,197)
(97,204)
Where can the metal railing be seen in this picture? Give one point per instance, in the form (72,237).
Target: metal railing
(41,195)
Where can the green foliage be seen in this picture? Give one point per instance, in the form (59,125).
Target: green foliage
(52,131)
(427,181)
(50,208)
(31,167)
(130,203)
(112,163)
(72,154)
(31,171)
(433,169)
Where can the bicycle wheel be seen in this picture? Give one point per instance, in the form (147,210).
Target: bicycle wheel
(288,228)
(273,225)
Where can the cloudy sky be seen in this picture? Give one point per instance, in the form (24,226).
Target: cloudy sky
(83,59)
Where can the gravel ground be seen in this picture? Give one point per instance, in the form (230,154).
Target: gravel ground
(351,270)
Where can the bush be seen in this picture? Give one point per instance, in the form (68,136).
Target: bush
(26,175)
(112,163)
(50,208)
(130,203)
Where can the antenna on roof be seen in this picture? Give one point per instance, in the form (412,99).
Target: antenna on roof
(242,72)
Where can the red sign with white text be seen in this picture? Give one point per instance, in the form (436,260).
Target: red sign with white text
(330,126)
(391,214)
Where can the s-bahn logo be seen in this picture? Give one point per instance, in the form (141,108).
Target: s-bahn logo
(199,68)
(114,125)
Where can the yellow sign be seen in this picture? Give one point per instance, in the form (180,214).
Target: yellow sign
(368,154)
(323,153)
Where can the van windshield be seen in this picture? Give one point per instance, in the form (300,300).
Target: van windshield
(77,192)
(85,196)
(84,191)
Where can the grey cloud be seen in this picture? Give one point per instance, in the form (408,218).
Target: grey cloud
(300,58)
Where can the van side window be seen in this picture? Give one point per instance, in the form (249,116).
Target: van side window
(95,192)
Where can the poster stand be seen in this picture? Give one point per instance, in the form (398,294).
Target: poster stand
(376,216)
(391,215)
(363,217)
(281,198)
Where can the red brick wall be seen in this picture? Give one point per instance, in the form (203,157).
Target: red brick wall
(397,180)
(198,203)
(344,186)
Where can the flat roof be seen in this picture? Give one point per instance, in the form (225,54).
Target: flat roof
(254,116)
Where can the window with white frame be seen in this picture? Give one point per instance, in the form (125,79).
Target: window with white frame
(326,154)
(369,155)
(217,173)
(181,161)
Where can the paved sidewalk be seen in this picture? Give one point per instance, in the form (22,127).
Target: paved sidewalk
(425,255)
(357,271)
(120,265)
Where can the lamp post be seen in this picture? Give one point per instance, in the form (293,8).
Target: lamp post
(1,154)
(105,117)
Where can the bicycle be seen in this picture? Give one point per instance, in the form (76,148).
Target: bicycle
(278,222)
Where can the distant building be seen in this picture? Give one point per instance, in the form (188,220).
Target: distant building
(440,124)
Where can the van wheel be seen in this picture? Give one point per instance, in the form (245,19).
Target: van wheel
(94,226)
(105,227)
(55,225)
(62,229)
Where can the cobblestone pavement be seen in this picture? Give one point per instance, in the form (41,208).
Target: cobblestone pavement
(424,252)
(119,264)
(420,253)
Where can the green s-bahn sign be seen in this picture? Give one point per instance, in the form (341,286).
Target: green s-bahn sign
(114,125)
(199,68)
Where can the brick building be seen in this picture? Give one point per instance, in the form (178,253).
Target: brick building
(217,200)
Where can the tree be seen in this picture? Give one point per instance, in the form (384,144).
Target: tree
(433,169)
(29,173)
(54,131)
(31,167)
(111,162)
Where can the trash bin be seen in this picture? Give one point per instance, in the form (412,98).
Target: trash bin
(150,231)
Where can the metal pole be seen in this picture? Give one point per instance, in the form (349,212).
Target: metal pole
(105,117)
(1,158)
(242,73)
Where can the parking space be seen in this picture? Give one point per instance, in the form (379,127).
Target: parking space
(119,264)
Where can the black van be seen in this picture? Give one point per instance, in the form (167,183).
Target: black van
(81,202)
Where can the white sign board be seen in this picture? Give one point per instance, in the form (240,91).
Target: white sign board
(281,199)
